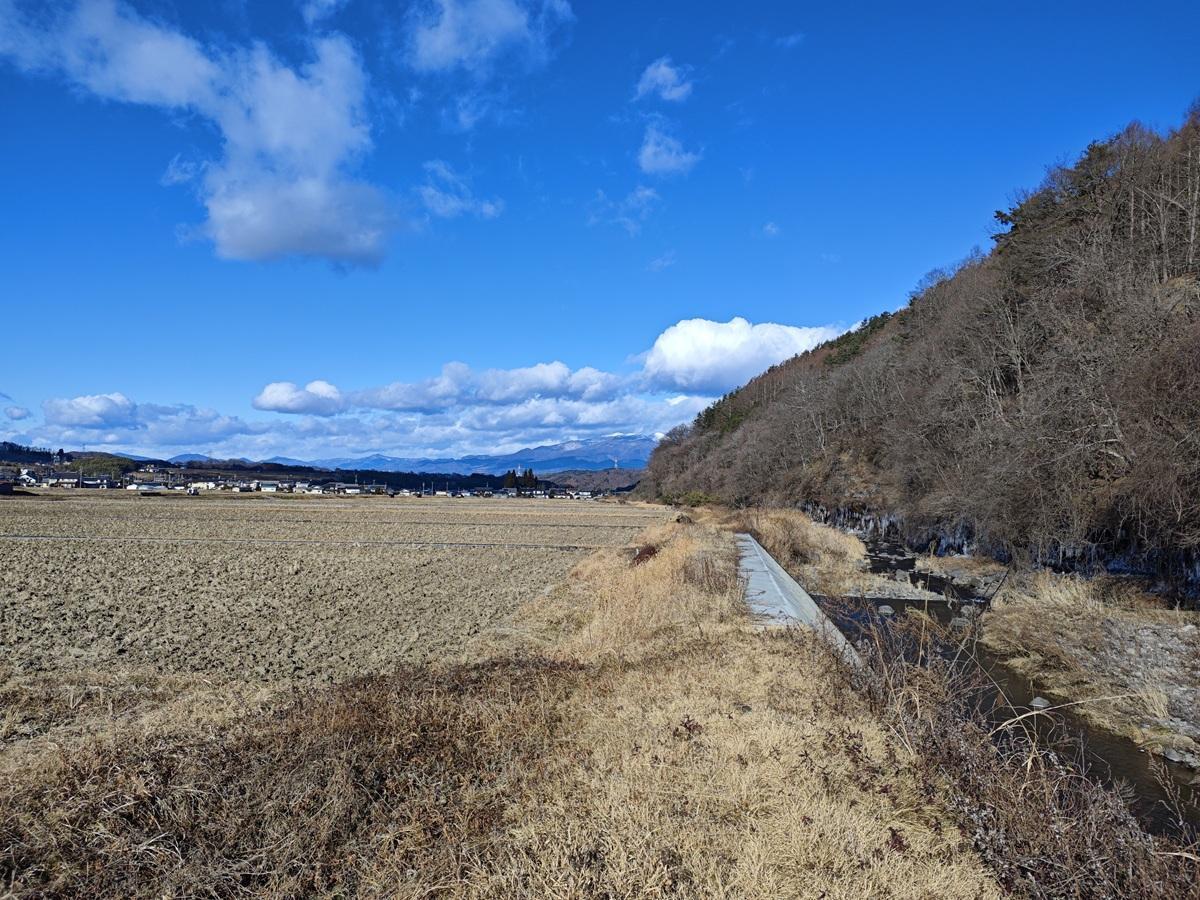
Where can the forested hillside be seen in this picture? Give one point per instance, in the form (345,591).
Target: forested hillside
(1041,398)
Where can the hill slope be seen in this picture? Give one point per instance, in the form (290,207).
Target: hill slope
(1042,397)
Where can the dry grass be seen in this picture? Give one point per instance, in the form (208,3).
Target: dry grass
(612,609)
(717,771)
(975,567)
(707,759)
(1107,642)
(387,786)
(823,559)
(44,715)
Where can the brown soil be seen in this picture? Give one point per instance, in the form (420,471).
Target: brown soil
(110,623)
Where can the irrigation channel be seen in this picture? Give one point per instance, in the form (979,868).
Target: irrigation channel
(1116,760)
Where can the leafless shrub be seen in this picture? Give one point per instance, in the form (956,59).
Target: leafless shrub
(644,554)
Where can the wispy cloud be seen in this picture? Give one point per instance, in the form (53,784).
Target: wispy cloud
(662,262)
(179,171)
(666,80)
(770,230)
(790,41)
(662,154)
(447,195)
(630,212)
(464,111)
(314,11)
(474,35)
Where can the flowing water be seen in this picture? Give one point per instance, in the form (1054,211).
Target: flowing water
(1116,760)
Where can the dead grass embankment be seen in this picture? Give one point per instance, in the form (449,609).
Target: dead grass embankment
(823,559)
(712,760)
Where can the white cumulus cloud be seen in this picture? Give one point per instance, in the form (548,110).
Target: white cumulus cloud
(662,154)
(462,409)
(429,395)
(458,411)
(706,356)
(544,380)
(16,413)
(667,80)
(91,411)
(317,398)
(291,135)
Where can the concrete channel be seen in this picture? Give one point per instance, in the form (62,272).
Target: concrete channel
(777,600)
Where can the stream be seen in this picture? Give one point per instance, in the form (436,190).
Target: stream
(1114,759)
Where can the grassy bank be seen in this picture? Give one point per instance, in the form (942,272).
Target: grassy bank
(626,734)
(823,559)
(1041,825)
(1129,663)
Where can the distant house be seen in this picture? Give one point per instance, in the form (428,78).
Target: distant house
(268,487)
(61,479)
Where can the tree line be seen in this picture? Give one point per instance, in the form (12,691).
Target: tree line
(19,453)
(525,480)
(1040,398)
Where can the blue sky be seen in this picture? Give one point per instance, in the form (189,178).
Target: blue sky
(326,228)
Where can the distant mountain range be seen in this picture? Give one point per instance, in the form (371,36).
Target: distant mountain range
(623,451)
(184,458)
